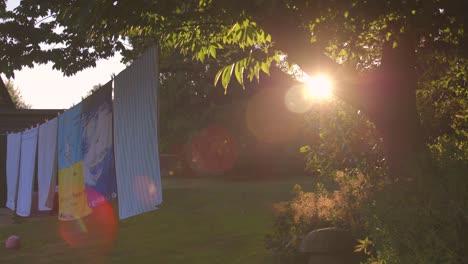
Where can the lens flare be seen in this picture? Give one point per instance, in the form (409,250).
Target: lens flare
(147,189)
(318,87)
(268,117)
(297,99)
(98,228)
(214,150)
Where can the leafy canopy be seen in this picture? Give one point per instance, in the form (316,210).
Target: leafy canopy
(245,36)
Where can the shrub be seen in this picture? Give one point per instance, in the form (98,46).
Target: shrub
(338,206)
(424,221)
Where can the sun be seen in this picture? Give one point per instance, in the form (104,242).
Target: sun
(318,87)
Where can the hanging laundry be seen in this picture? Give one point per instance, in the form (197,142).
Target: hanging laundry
(136,137)
(47,164)
(12,168)
(27,170)
(72,196)
(97,145)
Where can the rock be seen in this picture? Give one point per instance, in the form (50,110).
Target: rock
(13,242)
(328,241)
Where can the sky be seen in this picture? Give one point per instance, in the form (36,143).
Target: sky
(44,88)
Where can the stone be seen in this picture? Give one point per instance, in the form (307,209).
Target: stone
(13,242)
(328,241)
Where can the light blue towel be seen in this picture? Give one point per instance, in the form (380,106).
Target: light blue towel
(27,170)
(47,164)
(12,168)
(136,137)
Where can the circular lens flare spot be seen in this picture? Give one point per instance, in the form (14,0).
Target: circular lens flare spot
(297,99)
(268,118)
(98,228)
(214,150)
(318,87)
(147,190)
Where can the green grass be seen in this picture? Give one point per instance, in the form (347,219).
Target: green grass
(200,221)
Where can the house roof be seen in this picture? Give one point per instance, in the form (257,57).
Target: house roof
(5,99)
(15,120)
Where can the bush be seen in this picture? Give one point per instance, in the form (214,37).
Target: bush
(422,220)
(425,221)
(339,207)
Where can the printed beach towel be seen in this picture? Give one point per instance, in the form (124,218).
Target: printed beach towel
(136,137)
(72,196)
(27,170)
(12,168)
(47,164)
(97,145)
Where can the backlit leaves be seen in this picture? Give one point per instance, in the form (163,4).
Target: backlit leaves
(250,64)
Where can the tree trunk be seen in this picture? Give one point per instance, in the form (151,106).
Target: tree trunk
(389,98)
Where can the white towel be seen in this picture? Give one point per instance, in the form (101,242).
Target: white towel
(12,168)
(27,166)
(136,137)
(47,164)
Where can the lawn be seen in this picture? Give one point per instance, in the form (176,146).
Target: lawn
(201,221)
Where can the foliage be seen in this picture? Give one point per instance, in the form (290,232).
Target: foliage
(425,221)
(23,40)
(418,221)
(16,96)
(341,138)
(422,222)
(320,208)
(400,222)
(443,104)
(188,102)
(348,31)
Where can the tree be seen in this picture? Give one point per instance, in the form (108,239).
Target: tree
(377,50)
(16,96)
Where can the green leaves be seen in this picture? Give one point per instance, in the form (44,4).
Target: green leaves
(247,34)
(212,51)
(251,64)
(304,149)
(364,245)
(226,76)
(226,72)
(239,72)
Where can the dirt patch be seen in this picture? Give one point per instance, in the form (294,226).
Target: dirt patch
(6,217)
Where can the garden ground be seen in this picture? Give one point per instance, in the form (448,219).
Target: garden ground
(201,221)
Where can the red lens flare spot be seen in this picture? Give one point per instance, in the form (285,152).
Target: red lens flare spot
(213,150)
(98,229)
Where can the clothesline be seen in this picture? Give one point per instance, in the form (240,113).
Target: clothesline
(58,114)
(27,128)
(87,136)
(22,130)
